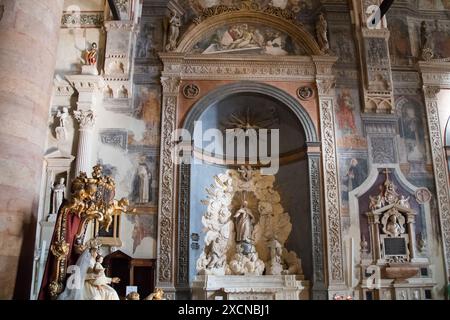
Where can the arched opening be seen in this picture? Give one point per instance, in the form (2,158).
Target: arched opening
(260,106)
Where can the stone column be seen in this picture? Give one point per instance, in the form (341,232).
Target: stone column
(89,88)
(29,32)
(86,119)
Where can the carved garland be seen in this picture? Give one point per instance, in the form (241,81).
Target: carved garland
(439,165)
(331,182)
(166,218)
(285,14)
(183,250)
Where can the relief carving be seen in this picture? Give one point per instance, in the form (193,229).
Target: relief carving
(167,201)
(439,164)
(333,222)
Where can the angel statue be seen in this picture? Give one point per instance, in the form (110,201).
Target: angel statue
(376,202)
(90,282)
(157,295)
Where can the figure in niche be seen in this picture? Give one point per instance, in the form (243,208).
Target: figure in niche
(321,31)
(244,224)
(123,92)
(90,56)
(393,226)
(109,93)
(58,195)
(61,130)
(344,114)
(144,178)
(174,31)
(426,41)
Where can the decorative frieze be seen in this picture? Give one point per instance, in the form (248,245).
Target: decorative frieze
(82,19)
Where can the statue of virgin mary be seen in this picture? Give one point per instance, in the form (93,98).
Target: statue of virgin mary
(89,282)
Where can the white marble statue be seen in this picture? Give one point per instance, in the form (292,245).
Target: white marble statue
(144,184)
(58,195)
(174,31)
(248,233)
(404,202)
(275,266)
(246,264)
(61,129)
(394,227)
(244,224)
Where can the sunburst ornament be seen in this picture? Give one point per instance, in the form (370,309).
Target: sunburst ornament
(249,120)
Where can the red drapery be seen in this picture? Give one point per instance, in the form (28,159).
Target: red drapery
(72,224)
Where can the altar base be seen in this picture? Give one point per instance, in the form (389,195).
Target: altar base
(269,287)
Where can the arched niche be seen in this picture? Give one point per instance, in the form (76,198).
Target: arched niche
(188,78)
(295,178)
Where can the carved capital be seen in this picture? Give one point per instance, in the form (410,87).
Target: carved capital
(431,91)
(325,87)
(86,119)
(170,84)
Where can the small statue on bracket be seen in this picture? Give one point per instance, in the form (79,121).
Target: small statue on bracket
(321,31)
(90,57)
(174,31)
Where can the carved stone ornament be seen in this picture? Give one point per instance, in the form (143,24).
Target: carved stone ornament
(431,91)
(167,201)
(335,255)
(191,91)
(82,19)
(325,86)
(246,227)
(305,93)
(86,119)
(423,195)
(247,5)
(439,165)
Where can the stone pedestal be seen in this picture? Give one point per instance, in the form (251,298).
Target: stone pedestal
(270,287)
